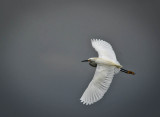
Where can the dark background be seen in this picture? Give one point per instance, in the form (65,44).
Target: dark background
(43,42)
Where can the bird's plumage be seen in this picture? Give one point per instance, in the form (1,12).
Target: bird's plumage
(99,85)
(104,73)
(104,49)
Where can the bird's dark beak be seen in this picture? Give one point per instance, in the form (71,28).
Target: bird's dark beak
(85,61)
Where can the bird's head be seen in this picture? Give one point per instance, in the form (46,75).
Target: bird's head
(89,60)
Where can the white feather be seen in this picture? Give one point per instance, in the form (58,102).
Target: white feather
(99,85)
(104,50)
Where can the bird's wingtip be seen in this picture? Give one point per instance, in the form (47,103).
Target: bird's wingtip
(85,102)
(94,39)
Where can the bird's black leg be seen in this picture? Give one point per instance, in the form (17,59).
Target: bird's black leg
(126,71)
(123,70)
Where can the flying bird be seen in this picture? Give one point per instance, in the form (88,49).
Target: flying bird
(106,67)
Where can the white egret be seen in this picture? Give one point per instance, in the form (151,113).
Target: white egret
(106,66)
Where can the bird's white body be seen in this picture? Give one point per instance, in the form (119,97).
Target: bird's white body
(107,66)
(107,62)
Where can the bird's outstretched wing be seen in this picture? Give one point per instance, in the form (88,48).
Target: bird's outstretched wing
(99,85)
(104,49)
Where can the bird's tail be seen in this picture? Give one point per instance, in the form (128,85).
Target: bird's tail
(126,71)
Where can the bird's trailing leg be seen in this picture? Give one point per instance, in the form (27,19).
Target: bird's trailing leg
(126,71)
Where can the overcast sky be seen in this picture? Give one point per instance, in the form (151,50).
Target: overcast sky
(42,45)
